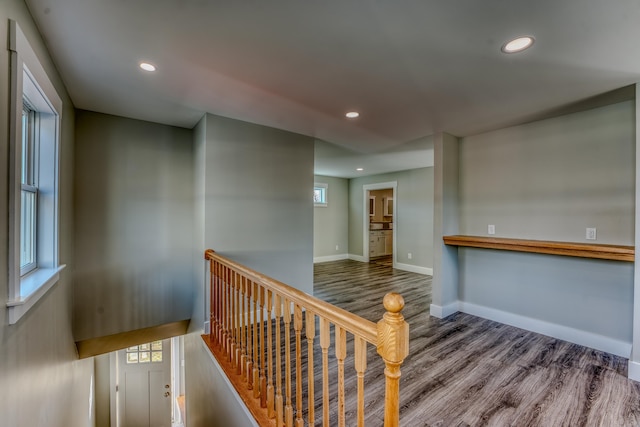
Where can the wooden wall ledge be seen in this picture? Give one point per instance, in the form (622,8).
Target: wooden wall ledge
(582,250)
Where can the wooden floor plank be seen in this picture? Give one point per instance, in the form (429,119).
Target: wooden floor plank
(468,371)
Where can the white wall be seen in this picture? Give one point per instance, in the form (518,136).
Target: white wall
(549,180)
(134,225)
(41,380)
(331,223)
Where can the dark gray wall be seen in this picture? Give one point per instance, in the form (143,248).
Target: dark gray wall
(134,225)
(42,382)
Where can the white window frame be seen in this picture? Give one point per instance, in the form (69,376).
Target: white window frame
(29,80)
(325,190)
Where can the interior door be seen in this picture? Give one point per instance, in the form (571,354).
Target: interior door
(144,385)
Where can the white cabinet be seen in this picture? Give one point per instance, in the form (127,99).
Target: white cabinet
(380,242)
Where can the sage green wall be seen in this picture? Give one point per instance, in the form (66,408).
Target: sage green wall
(42,381)
(331,223)
(413,221)
(550,180)
(134,225)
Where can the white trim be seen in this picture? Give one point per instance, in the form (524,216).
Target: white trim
(633,371)
(358,258)
(444,311)
(365,216)
(230,386)
(42,280)
(414,268)
(28,77)
(329,258)
(566,333)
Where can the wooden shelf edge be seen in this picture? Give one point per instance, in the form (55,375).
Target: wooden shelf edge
(581,250)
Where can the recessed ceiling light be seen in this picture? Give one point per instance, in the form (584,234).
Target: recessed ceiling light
(359,169)
(147,67)
(518,45)
(352,114)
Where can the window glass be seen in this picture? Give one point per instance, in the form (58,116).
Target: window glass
(320,194)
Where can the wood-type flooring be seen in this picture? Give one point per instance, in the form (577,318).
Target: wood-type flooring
(468,371)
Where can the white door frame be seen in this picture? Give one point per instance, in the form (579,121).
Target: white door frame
(177,347)
(365,216)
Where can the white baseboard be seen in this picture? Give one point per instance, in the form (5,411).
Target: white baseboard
(441,312)
(633,371)
(358,258)
(329,258)
(414,268)
(566,333)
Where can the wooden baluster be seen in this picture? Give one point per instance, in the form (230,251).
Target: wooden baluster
(219,305)
(288,408)
(310,330)
(341,354)
(297,327)
(223,308)
(325,340)
(261,355)
(270,391)
(360,361)
(393,346)
(279,410)
(238,323)
(249,365)
(233,311)
(243,326)
(212,301)
(256,352)
(228,323)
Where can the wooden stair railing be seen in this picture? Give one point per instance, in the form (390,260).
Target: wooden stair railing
(252,317)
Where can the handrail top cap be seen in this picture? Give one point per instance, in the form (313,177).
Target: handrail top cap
(393,302)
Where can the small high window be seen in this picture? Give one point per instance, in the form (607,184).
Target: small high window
(320,194)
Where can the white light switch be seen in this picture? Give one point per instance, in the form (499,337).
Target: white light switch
(491,229)
(591,234)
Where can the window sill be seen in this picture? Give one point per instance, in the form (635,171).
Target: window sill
(32,287)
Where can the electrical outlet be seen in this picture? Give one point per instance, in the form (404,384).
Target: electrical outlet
(491,229)
(591,234)
(409,255)
(337,248)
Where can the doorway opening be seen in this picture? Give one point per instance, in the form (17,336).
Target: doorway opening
(380,222)
(147,384)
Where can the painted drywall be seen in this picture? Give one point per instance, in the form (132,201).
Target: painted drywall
(445,222)
(413,220)
(43,382)
(258,198)
(331,222)
(134,225)
(210,399)
(550,180)
(253,204)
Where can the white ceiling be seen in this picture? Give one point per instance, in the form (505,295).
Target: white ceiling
(411,67)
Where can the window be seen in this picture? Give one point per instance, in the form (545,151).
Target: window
(320,194)
(145,353)
(34,134)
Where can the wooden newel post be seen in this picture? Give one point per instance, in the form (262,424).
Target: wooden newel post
(393,347)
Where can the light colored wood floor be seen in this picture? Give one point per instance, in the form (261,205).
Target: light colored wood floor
(468,371)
